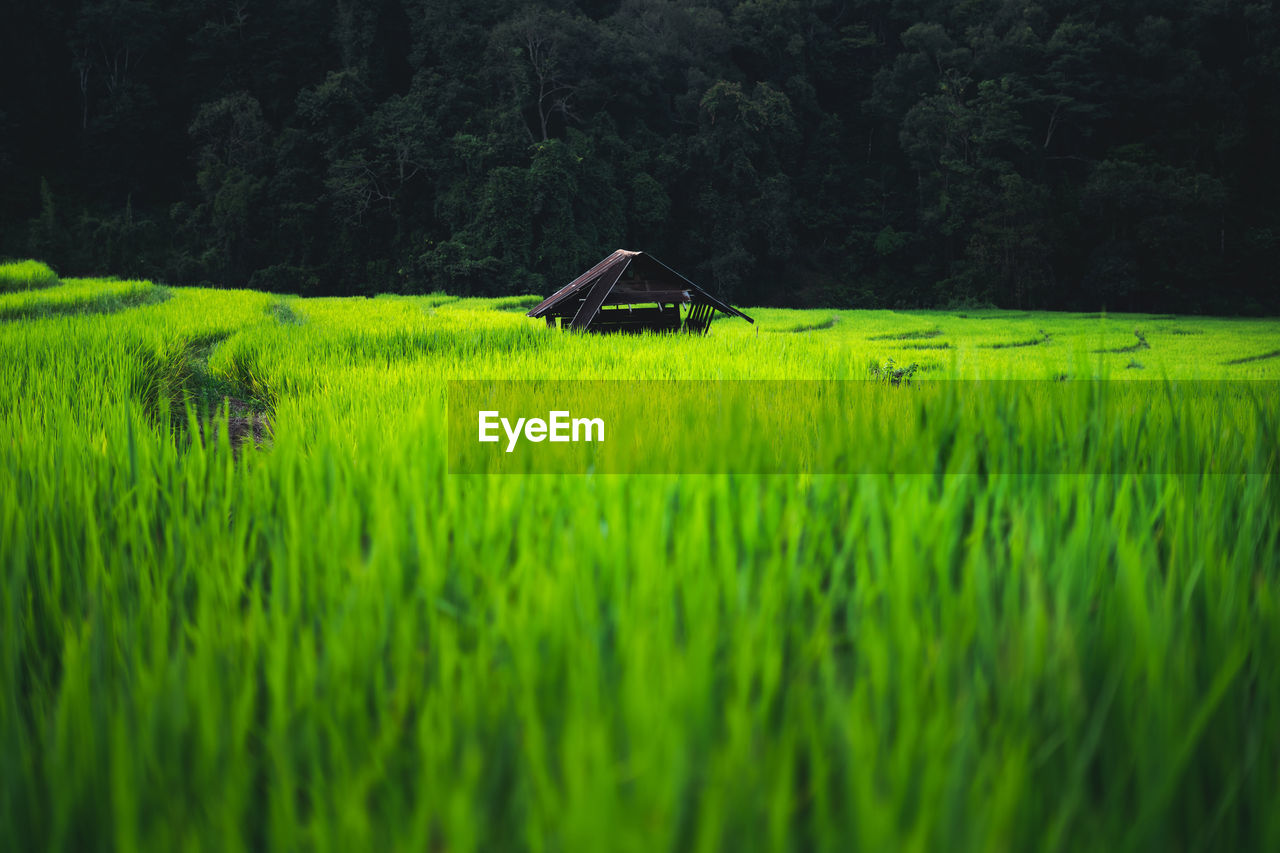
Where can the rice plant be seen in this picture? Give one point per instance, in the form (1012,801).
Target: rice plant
(25,275)
(328,641)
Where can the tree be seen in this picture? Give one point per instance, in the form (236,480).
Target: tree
(547,57)
(233,143)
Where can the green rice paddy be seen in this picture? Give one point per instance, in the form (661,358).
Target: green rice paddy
(321,639)
(25,275)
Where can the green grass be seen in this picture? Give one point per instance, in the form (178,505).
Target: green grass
(25,275)
(80,296)
(331,643)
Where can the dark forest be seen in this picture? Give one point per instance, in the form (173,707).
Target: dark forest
(870,153)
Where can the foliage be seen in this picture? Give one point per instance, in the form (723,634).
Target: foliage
(857,153)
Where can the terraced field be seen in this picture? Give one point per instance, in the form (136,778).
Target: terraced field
(244,603)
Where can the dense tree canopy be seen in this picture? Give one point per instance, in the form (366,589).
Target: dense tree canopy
(1035,154)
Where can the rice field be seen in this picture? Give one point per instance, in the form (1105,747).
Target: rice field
(318,638)
(25,275)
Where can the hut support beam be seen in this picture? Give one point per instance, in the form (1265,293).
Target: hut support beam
(596,296)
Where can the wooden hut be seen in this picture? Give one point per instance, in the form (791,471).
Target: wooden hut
(630,292)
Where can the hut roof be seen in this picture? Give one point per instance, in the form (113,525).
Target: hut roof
(647,281)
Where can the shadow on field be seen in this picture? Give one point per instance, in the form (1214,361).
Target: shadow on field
(828,323)
(181,393)
(908,336)
(284,314)
(514,304)
(105,303)
(1252,358)
(1140,345)
(1030,342)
